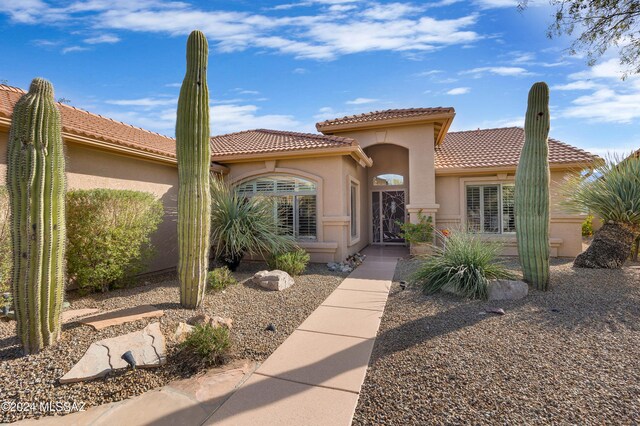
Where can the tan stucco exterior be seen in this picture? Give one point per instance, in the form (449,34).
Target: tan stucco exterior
(89,168)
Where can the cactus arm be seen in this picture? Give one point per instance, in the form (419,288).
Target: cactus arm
(532,190)
(194,157)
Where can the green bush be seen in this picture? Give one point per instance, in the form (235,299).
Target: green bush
(292,262)
(587,226)
(109,235)
(209,345)
(463,267)
(421,232)
(220,278)
(6,258)
(241,225)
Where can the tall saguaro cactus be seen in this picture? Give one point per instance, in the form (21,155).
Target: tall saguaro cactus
(532,190)
(36,182)
(194,157)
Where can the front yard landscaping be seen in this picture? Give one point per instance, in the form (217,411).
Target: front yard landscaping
(567,356)
(252,309)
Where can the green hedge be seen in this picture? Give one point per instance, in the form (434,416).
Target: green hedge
(5,241)
(109,235)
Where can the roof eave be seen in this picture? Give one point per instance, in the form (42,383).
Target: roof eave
(355,151)
(446,171)
(337,128)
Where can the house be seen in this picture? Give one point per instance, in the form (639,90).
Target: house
(339,190)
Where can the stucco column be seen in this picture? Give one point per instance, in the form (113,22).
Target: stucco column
(422,176)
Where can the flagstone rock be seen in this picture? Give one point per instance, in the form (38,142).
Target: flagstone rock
(122,316)
(275,280)
(182,331)
(68,316)
(215,321)
(148,347)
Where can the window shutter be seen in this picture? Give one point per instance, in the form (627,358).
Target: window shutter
(508,209)
(306,216)
(490,209)
(473,209)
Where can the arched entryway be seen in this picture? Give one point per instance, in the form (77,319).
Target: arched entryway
(388,183)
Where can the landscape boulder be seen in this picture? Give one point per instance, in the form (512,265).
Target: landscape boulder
(507,289)
(275,280)
(182,331)
(214,321)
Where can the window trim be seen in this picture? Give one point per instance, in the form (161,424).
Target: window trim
(294,194)
(482,183)
(353,182)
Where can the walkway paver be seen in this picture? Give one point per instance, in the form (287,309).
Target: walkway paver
(315,376)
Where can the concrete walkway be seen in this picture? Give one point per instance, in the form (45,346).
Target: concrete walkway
(313,378)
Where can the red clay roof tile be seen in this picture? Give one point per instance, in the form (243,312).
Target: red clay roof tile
(384,115)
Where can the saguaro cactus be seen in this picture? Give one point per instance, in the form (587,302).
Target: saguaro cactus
(36,182)
(532,190)
(194,157)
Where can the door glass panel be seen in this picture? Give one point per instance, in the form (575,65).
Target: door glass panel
(375,214)
(392,216)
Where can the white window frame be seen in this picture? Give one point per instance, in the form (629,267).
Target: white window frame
(500,186)
(354,237)
(300,186)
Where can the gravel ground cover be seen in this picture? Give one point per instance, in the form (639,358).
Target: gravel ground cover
(34,378)
(567,356)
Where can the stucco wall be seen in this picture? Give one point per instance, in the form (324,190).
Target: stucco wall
(565,228)
(419,141)
(90,168)
(331,176)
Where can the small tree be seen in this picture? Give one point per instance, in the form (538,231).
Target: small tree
(603,24)
(613,193)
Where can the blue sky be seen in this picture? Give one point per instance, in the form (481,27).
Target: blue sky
(288,64)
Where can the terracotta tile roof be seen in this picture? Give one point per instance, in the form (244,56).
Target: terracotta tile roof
(264,141)
(388,114)
(83,123)
(498,148)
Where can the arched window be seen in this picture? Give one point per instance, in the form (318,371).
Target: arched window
(388,180)
(294,202)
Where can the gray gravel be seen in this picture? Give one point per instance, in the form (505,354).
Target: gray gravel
(567,356)
(34,378)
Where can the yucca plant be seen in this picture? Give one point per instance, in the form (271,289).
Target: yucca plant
(463,267)
(611,192)
(241,225)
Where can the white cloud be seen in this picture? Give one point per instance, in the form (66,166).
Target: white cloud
(496,4)
(361,101)
(502,71)
(576,85)
(323,35)
(234,118)
(104,38)
(71,49)
(300,71)
(143,102)
(428,73)
(459,91)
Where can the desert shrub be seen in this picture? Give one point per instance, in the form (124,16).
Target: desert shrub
(587,226)
(207,345)
(6,258)
(109,235)
(421,232)
(241,225)
(612,191)
(220,278)
(463,267)
(292,262)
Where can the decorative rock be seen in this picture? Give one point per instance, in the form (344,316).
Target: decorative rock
(182,331)
(507,289)
(498,311)
(214,321)
(67,316)
(122,316)
(147,347)
(275,280)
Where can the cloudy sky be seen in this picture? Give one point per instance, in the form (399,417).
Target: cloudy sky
(287,64)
